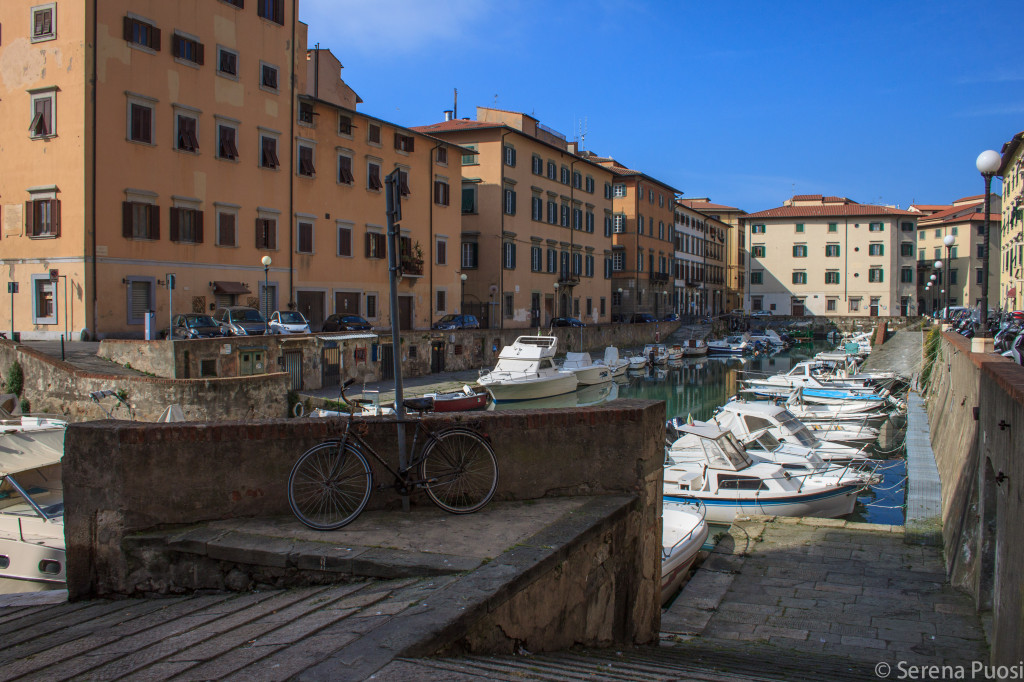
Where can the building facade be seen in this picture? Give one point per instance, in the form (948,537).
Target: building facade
(537,220)
(735,247)
(700,262)
(1011,261)
(958,282)
(831,256)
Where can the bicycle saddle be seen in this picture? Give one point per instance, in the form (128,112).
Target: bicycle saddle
(419,404)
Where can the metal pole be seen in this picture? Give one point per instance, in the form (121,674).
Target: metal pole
(11,289)
(66,304)
(391,197)
(266,299)
(983,331)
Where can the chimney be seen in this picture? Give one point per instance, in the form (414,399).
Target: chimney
(448,114)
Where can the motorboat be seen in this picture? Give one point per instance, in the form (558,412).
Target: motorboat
(656,353)
(812,374)
(636,361)
(729,482)
(822,396)
(586,370)
(684,530)
(466,400)
(526,371)
(694,348)
(737,344)
(744,419)
(675,352)
(584,396)
(31,510)
(617,365)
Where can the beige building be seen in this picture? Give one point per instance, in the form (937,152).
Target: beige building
(831,256)
(701,243)
(1011,262)
(735,247)
(193,139)
(958,281)
(537,221)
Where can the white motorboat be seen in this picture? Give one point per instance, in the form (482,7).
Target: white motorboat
(675,352)
(526,371)
(684,530)
(811,374)
(729,482)
(694,348)
(636,362)
(737,344)
(744,419)
(586,370)
(656,353)
(31,510)
(617,365)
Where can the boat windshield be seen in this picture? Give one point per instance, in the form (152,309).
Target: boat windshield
(766,440)
(725,453)
(734,339)
(796,428)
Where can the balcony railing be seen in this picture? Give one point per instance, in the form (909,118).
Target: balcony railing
(660,277)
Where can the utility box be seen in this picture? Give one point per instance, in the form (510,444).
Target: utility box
(252,361)
(150,319)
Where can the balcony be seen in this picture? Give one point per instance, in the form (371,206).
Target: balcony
(567,280)
(412,267)
(659,277)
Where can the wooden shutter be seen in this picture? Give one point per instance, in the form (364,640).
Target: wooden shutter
(278,11)
(369,244)
(200,53)
(344,242)
(410,142)
(398,141)
(175,223)
(271,234)
(156,38)
(260,231)
(55,217)
(127,29)
(126,219)
(30,218)
(176,46)
(199,227)
(154,222)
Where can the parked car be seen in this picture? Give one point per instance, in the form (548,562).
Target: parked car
(761,313)
(288,322)
(345,323)
(238,320)
(638,318)
(671,317)
(567,322)
(193,326)
(457,322)
(737,311)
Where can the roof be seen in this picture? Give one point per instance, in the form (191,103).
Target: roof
(706,205)
(929,207)
(837,210)
(959,214)
(1009,149)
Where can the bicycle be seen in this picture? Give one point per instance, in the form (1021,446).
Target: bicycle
(330,484)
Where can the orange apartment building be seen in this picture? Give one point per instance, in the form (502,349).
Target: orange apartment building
(536,222)
(195,138)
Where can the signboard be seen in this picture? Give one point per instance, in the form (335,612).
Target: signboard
(12,287)
(54,274)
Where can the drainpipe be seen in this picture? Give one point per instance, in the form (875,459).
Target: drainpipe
(431,246)
(92,212)
(501,237)
(846,263)
(291,164)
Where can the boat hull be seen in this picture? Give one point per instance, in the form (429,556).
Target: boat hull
(515,389)
(460,402)
(838,501)
(595,374)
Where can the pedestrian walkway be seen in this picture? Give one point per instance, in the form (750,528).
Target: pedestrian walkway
(82,354)
(924,487)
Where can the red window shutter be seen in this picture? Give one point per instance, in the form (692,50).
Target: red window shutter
(272,234)
(369,244)
(410,143)
(175,219)
(156,38)
(154,222)
(398,140)
(55,217)
(260,231)
(126,219)
(200,50)
(128,28)
(199,227)
(30,218)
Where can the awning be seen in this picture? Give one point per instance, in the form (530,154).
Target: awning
(24,450)
(233,288)
(346,337)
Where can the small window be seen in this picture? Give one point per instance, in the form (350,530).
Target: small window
(345,176)
(757,229)
(186,138)
(272,10)
(833,227)
(442,195)
(371,306)
(138,32)
(304,238)
(440,299)
(552,170)
(509,255)
(373,133)
(44,22)
(831,304)
(876,249)
(468,199)
(306,166)
(227,234)
(566,177)
(832,277)
(876,227)
(832,250)
(577,180)
(268,77)
(441,252)
(403,182)
(43,311)
(140,220)
(268,152)
(344,124)
(799,277)
(907,276)
(306,113)
(345,240)
(373,180)
(799,227)
(376,245)
(266,233)
(800,251)
(140,122)
(469,259)
(854,304)
(186,225)
(875,275)
(757,276)
(405,143)
(470,159)
(536,259)
(510,201)
(442,156)
(42,217)
(537,165)
(510,156)
(43,123)
(187,49)
(227,142)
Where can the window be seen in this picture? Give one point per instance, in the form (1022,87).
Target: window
(43,118)
(536,259)
(619,190)
(227,142)
(227,62)
(306,113)
(442,193)
(140,220)
(405,143)
(589,184)
(344,124)
(577,264)
(268,77)
(607,190)
(833,227)
(186,225)
(376,245)
(138,32)
(589,223)
(876,227)
(831,304)
(442,156)
(268,152)
(304,237)
(552,261)
(953,230)
(588,266)
(920,235)
(185,134)
(345,176)
(565,175)
(607,225)
(508,259)
(953,276)
(373,180)
(757,229)
(577,219)
(344,240)
(979,276)
(272,10)
(661,230)
(226,229)
(470,159)
(800,251)
(469,198)
(371,306)
(510,201)
(876,249)
(909,227)
(187,49)
(619,223)
(758,250)
(565,215)
(938,252)
(441,252)
(537,207)
(799,227)
(140,122)
(907,276)
(619,261)
(266,233)
(831,277)
(140,299)
(509,156)
(854,304)
(980,249)
(952,253)
(552,170)
(602,307)
(306,167)
(799,277)
(607,268)
(876,275)
(42,217)
(831,250)
(552,213)
(439,300)
(640,224)
(43,311)
(44,22)
(661,200)
(469,255)
(577,180)
(756,303)
(509,304)
(907,249)
(537,165)
(373,133)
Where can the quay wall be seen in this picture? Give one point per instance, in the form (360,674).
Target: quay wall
(124,478)
(60,388)
(976,412)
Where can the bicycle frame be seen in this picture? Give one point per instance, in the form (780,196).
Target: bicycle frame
(399,474)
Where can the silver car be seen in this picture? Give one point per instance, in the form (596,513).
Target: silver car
(288,322)
(240,320)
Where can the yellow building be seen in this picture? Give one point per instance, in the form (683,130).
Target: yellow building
(958,281)
(735,247)
(536,222)
(1011,263)
(194,138)
(831,256)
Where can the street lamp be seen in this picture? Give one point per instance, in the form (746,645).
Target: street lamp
(266,287)
(462,301)
(557,307)
(988,165)
(938,269)
(948,241)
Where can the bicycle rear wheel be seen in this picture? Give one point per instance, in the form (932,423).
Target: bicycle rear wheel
(460,471)
(328,488)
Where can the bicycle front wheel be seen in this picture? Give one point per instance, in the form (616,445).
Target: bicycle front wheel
(329,487)
(459,470)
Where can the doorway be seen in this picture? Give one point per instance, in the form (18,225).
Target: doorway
(311,304)
(387,362)
(535,309)
(437,357)
(405,312)
(798,307)
(874,306)
(346,302)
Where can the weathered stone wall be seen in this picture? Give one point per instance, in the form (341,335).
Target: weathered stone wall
(57,387)
(981,464)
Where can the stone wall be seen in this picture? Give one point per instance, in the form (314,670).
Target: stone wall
(57,387)
(976,412)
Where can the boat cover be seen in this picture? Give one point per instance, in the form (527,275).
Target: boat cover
(25,450)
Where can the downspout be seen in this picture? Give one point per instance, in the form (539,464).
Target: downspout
(432,247)
(92,212)
(639,256)
(291,166)
(501,237)
(846,263)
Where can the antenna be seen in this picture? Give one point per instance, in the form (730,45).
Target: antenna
(455,104)
(583,133)
(495,100)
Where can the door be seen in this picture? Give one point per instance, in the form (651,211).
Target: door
(346,302)
(874,306)
(549,307)
(798,307)
(387,362)
(405,312)
(535,310)
(437,357)
(293,365)
(330,365)
(311,304)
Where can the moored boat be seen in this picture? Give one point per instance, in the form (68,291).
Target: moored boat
(683,532)
(586,370)
(526,371)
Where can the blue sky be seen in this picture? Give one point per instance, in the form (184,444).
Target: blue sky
(745,101)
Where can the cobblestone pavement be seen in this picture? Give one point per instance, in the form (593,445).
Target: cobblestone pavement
(901,353)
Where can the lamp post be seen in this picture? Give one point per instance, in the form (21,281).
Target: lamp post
(557,308)
(621,314)
(948,241)
(462,300)
(988,165)
(266,287)
(938,272)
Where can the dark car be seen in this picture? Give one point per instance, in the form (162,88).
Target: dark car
(238,320)
(457,322)
(567,322)
(345,323)
(639,318)
(193,326)
(671,317)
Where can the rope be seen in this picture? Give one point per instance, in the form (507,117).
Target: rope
(892,487)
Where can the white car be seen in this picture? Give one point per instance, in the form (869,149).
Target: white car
(288,322)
